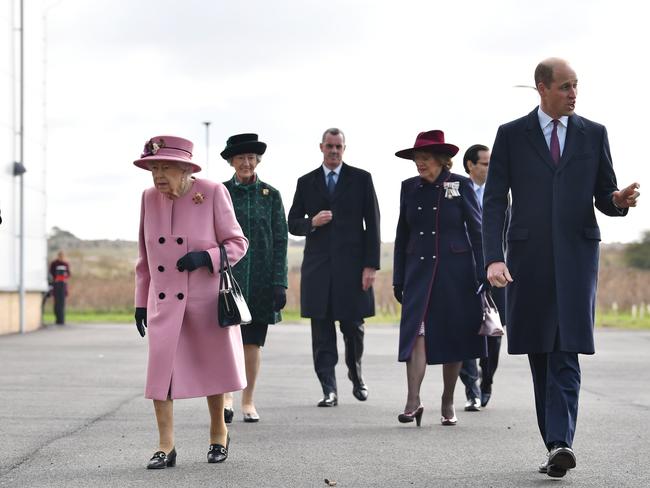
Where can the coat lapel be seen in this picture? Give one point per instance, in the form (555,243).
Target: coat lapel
(319,182)
(574,139)
(536,138)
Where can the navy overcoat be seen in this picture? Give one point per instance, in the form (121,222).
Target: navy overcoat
(335,254)
(553,237)
(438,261)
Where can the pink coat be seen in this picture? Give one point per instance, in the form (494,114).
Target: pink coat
(189,354)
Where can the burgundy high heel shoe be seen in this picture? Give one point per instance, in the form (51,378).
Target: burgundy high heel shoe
(408,417)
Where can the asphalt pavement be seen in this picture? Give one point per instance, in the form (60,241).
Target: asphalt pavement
(72,414)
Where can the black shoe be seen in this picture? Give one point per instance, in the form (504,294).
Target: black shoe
(228,414)
(329,400)
(359,389)
(160,460)
(360,392)
(217,453)
(473,405)
(560,460)
(485,398)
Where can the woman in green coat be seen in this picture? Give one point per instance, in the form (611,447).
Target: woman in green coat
(262,273)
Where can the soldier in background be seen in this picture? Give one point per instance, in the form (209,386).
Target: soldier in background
(59,275)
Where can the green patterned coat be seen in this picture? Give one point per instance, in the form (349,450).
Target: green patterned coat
(259,211)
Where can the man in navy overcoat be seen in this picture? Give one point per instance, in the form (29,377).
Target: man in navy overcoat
(556,165)
(335,207)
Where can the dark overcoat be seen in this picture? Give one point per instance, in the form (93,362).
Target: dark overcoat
(438,261)
(336,253)
(259,211)
(553,237)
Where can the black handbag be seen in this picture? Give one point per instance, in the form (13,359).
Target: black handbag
(231,306)
(491,323)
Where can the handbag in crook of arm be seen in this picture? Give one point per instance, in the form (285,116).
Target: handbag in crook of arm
(231,306)
(491,323)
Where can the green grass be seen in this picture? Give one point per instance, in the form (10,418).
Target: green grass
(73,316)
(621,320)
(92,317)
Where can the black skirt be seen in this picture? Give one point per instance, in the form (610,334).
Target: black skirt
(254,333)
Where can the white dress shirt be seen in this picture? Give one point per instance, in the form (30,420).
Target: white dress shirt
(336,171)
(478,189)
(546,123)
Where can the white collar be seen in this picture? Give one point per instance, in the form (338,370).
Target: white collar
(545,119)
(337,170)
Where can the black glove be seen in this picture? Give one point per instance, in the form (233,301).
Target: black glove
(398,292)
(141,319)
(279,298)
(193,260)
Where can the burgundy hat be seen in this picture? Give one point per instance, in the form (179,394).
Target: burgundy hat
(432,141)
(167,148)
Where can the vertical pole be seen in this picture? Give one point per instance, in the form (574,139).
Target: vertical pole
(21,272)
(207,148)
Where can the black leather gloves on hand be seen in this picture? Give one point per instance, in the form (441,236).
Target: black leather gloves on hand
(193,260)
(141,319)
(279,298)
(398,292)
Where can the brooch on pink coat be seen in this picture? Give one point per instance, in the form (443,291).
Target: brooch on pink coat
(198,198)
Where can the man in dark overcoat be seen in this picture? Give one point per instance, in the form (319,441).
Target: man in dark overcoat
(336,208)
(556,165)
(476,162)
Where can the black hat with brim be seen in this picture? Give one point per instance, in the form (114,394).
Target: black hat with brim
(243,144)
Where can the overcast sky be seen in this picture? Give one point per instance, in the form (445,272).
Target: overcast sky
(122,71)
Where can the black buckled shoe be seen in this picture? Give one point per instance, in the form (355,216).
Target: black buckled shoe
(160,460)
(217,453)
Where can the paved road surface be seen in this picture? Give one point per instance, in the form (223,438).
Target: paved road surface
(72,415)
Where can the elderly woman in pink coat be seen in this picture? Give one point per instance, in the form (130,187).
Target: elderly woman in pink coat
(183,220)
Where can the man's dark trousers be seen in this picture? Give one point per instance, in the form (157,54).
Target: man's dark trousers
(556,380)
(59,301)
(323,341)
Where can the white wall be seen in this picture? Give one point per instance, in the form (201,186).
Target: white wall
(34,179)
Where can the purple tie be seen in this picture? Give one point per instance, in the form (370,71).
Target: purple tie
(555,143)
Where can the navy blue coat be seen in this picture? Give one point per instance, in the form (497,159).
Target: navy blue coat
(335,254)
(553,237)
(438,261)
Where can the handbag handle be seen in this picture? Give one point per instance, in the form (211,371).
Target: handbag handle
(489,299)
(225,272)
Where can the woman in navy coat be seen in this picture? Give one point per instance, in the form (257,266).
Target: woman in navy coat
(438,265)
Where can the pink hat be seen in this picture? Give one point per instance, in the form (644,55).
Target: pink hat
(167,148)
(431,141)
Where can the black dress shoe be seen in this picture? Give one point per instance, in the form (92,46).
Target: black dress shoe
(359,388)
(217,453)
(329,400)
(228,414)
(560,460)
(360,392)
(160,460)
(543,468)
(485,398)
(473,405)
